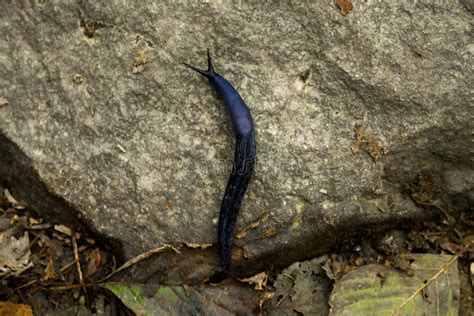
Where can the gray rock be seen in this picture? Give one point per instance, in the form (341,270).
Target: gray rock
(104,126)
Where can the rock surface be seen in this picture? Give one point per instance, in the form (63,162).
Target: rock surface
(101,124)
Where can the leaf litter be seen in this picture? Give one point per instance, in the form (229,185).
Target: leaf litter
(69,268)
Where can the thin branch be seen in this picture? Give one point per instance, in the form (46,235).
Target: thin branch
(139,258)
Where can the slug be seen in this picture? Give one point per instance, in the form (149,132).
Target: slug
(244,160)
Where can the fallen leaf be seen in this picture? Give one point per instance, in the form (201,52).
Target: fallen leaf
(368,143)
(450,247)
(431,289)
(14,253)
(78,78)
(3,101)
(344,5)
(265,216)
(335,267)
(41,226)
(63,229)
(226,298)
(238,253)
(197,246)
(49,273)
(269,232)
(301,289)
(93,262)
(166,204)
(8,308)
(32,221)
(240,234)
(244,231)
(66,230)
(140,61)
(259,280)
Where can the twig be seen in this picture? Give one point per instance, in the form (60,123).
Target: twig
(25,285)
(71,286)
(140,258)
(76,258)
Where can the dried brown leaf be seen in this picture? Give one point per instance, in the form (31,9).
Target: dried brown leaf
(32,221)
(166,204)
(301,289)
(197,246)
(242,233)
(93,262)
(265,216)
(14,253)
(269,232)
(345,6)
(8,308)
(140,61)
(3,101)
(49,273)
(66,231)
(450,247)
(78,78)
(259,280)
(368,143)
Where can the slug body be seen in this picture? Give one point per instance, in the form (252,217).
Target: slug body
(244,160)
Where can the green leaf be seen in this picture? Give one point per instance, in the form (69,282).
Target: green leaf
(429,287)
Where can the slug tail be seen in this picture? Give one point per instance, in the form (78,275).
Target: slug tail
(209,73)
(245,156)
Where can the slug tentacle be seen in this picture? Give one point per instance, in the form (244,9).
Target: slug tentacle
(244,160)
(210,69)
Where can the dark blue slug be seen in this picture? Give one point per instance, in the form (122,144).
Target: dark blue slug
(244,160)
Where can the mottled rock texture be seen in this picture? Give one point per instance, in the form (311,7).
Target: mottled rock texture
(101,124)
